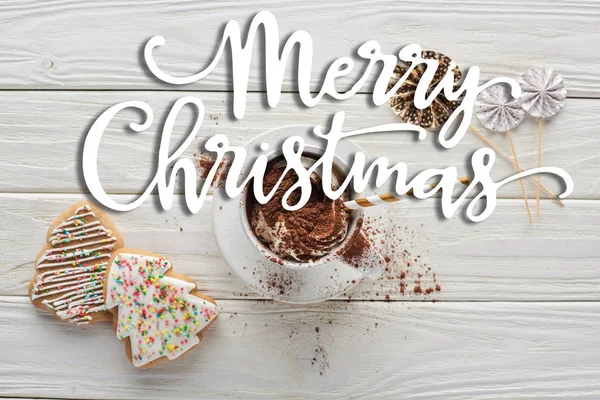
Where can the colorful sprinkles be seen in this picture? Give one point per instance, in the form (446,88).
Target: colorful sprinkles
(157,312)
(72,280)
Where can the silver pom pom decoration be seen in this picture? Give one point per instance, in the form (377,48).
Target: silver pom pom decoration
(544,95)
(499,111)
(544,92)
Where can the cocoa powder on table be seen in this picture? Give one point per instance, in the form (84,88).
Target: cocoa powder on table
(407,271)
(204,164)
(356,247)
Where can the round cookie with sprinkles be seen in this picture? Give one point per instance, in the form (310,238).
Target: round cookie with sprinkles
(70,270)
(159,313)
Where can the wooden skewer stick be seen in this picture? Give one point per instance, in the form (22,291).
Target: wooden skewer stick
(539,177)
(512,146)
(509,159)
(388,197)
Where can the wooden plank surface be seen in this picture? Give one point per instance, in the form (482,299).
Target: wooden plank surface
(75,45)
(501,259)
(42,148)
(517,313)
(337,349)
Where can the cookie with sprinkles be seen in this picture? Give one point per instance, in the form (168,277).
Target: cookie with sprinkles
(70,270)
(159,313)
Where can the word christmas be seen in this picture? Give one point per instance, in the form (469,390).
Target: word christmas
(359,173)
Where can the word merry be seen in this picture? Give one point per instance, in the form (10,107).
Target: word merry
(276,60)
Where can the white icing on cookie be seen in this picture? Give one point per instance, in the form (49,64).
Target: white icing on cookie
(75,271)
(157,312)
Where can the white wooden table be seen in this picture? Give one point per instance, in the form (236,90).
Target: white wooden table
(519,311)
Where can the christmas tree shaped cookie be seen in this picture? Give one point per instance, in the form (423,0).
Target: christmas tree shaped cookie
(70,270)
(158,312)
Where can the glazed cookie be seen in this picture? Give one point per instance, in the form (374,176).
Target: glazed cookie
(70,270)
(158,312)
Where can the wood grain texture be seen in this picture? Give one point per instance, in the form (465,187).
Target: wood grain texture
(518,313)
(42,135)
(75,45)
(338,350)
(503,258)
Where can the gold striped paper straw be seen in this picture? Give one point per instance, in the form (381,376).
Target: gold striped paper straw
(387,197)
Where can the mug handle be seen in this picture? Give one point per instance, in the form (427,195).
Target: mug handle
(361,255)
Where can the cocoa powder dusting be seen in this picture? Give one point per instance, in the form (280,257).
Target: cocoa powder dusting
(305,234)
(356,247)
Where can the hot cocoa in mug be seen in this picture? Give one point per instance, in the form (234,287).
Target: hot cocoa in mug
(318,233)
